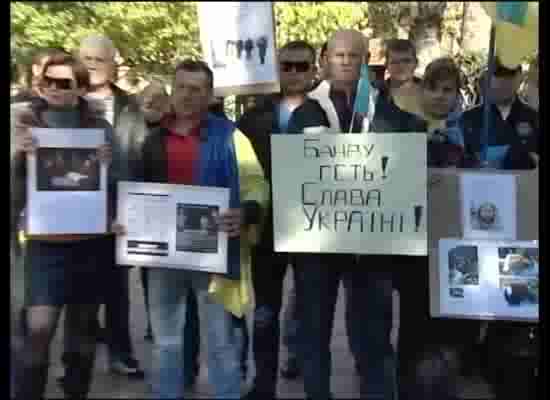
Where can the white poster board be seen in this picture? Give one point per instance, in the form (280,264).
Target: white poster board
(488,203)
(66,183)
(172,226)
(488,280)
(238,42)
(349,193)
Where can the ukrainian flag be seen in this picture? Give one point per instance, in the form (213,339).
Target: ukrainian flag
(362,95)
(516,29)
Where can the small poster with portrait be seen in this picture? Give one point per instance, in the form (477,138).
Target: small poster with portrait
(66,183)
(488,206)
(172,226)
(238,42)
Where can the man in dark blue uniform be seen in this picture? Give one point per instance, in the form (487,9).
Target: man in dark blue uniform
(514,126)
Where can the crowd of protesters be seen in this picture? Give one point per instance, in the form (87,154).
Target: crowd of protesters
(159,137)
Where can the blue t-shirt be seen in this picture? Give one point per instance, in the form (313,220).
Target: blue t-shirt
(285,112)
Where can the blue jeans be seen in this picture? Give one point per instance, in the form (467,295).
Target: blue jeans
(191,334)
(368,322)
(168,290)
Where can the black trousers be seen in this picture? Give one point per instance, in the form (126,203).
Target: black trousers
(368,321)
(268,274)
(116,293)
(418,329)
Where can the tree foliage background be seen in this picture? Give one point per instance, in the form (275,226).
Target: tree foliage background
(152,36)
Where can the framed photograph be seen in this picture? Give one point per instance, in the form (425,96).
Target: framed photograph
(488,205)
(66,183)
(491,280)
(172,226)
(243,53)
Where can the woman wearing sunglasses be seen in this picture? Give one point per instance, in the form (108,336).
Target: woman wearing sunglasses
(61,269)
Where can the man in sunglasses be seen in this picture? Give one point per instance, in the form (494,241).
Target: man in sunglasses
(287,112)
(130,130)
(62,269)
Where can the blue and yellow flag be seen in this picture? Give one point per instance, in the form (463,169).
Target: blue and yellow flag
(516,29)
(362,95)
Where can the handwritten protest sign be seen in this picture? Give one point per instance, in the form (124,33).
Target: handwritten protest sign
(359,194)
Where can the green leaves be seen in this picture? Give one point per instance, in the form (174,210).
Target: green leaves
(149,35)
(316,21)
(153,36)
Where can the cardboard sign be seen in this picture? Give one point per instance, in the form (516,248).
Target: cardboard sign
(238,42)
(347,193)
(494,294)
(445,204)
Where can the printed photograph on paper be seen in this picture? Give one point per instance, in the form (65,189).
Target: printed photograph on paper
(485,216)
(518,262)
(247,50)
(463,267)
(196,228)
(489,209)
(520,292)
(67,169)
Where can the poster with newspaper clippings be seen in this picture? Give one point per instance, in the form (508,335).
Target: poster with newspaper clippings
(491,280)
(238,42)
(172,226)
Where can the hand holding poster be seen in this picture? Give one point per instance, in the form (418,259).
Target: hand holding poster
(238,41)
(358,194)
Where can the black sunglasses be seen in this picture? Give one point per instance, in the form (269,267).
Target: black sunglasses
(299,66)
(58,83)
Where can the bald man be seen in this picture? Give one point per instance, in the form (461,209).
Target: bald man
(367,279)
(123,112)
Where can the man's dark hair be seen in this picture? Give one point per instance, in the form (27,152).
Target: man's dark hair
(81,74)
(442,69)
(299,45)
(197,66)
(399,46)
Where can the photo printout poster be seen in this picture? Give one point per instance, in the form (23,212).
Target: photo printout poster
(488,279)
(355,194)
(238,41)
(66,183)
(172,226)
(489,206)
